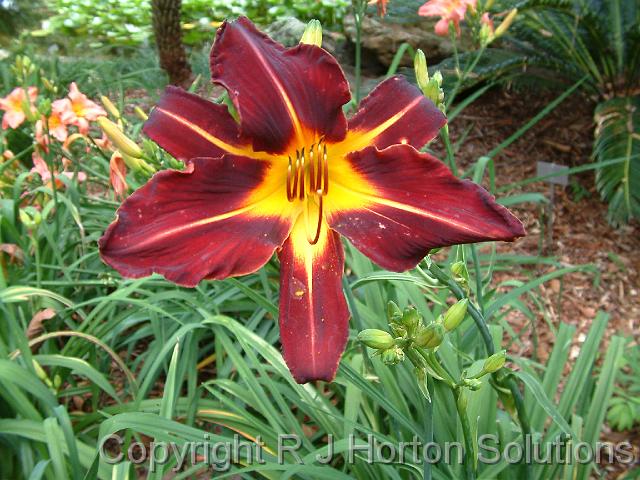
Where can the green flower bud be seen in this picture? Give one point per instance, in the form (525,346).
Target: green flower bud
(423,382)
(430,336)
(42,375)
(431,86)
(375,338)
(312,34)
(140,113)
(420,67)
(119,139)
(394,314)
(30,217)
(455,314)
(110,107)
(392,356)
(458,268)
(506,23)
(49,85)
(486,35)
(495,362)
(397,329)
(411,320)
(473,384)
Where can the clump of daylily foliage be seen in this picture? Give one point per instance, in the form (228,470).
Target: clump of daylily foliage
(283,171)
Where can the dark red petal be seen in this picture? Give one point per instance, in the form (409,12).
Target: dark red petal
(394,112)
(314,318)
(281,94)
(188,126)
(414,204)
(207,222)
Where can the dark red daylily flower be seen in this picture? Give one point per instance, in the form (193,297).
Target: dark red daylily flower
(292,176)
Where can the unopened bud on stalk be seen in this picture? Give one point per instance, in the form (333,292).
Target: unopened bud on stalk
(110,107)
(420,67)
(118,175)
(42,375)
(423,382)
(397,329)
(506,23)
(137,164)
(394,314)
(411,319)
(458,268)
(431,86)
(374,338)
(392,356)
(119,139)
(48,85)
(430,336)
(473,384)
(455,314)
(140,113)
(486,34)
(312,34)
(495,362)
(31,218)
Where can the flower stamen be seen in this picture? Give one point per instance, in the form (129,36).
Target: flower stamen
(308,180)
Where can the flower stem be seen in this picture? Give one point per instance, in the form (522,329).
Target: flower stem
(359,9)
(451,161)
(508,381)
(466,433)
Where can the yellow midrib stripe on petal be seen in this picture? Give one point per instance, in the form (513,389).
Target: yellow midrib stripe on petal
(227,147)
(285,98)
(373,199)
(205,221)
(306,255)
(358,139)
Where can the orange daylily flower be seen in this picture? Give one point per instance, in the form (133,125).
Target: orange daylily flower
(41,168)
(448,11)
(13,106)
(81,109)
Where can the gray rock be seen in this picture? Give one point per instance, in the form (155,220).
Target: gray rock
(286,30)
(383,37)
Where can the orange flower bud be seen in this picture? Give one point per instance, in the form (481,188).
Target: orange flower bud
(118,175)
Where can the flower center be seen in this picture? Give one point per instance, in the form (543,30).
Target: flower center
(308,181)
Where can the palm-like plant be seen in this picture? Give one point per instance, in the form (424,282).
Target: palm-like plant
(598,42)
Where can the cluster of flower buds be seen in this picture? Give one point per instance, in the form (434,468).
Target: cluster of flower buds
(410,338)
(126,153)
(460,273)
(408,331)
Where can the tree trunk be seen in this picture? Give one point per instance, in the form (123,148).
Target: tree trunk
(168,33)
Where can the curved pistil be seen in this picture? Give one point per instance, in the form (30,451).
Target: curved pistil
(308,181)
